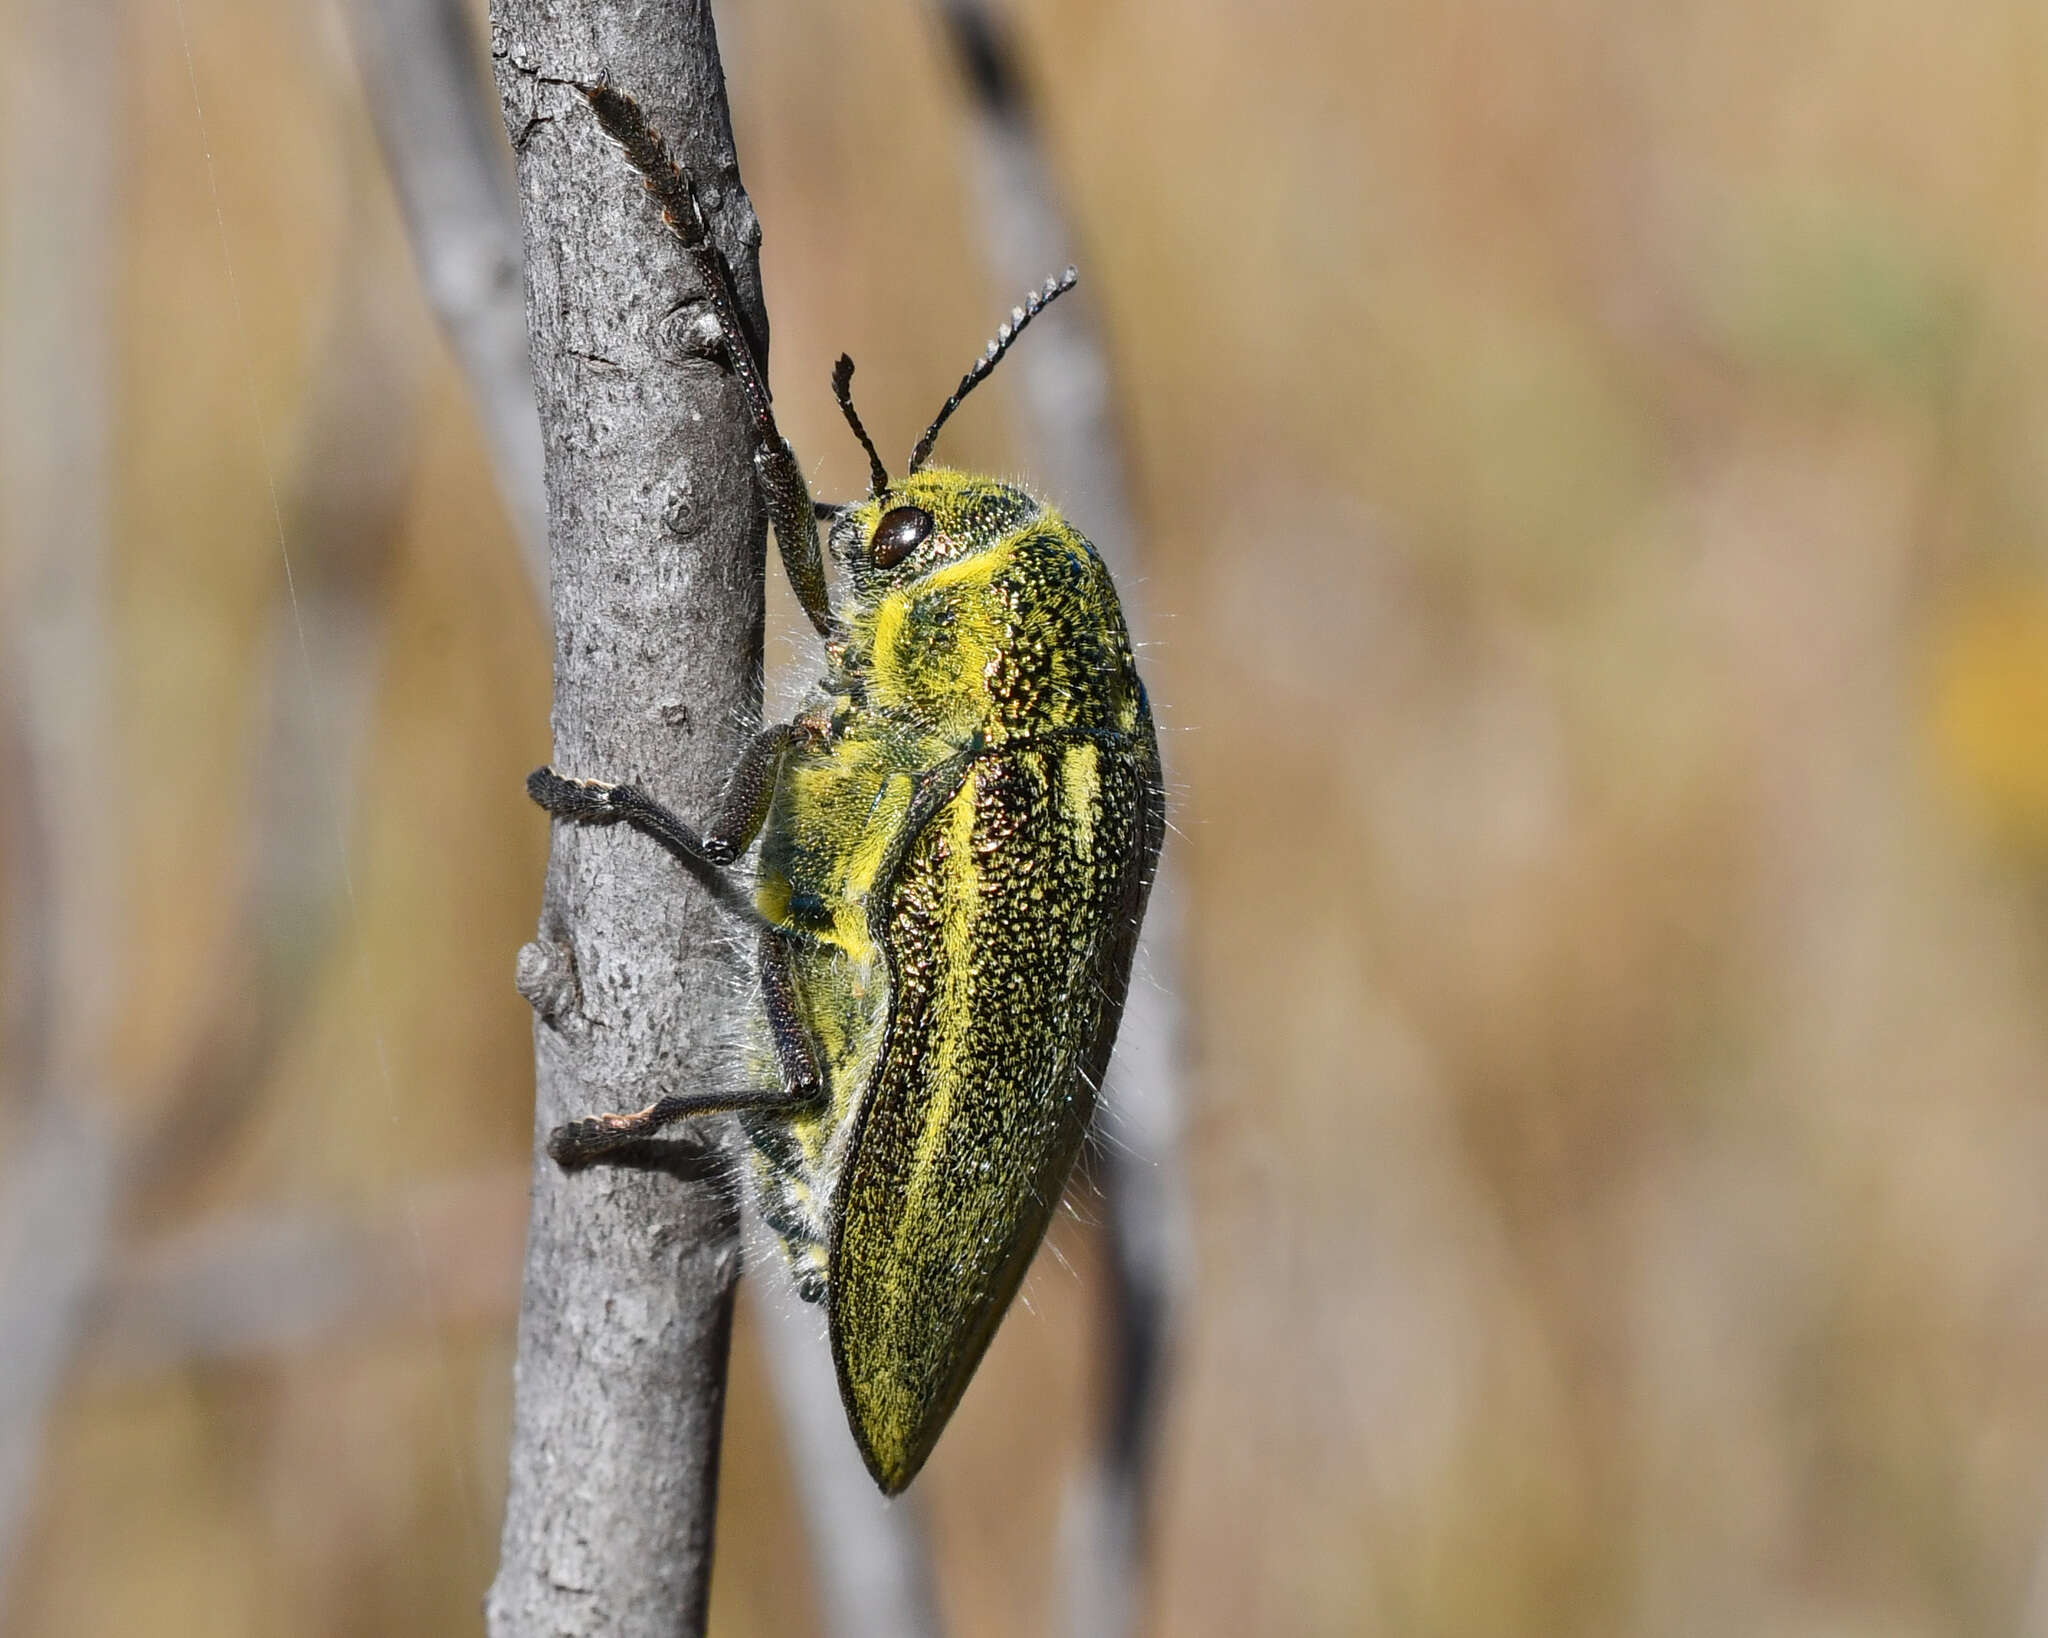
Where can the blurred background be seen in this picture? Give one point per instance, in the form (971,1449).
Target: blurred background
(1588,470)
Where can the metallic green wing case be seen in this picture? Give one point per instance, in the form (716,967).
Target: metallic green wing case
(1009,936)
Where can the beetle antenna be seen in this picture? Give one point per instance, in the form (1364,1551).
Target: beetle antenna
(842,389)
(1034,304)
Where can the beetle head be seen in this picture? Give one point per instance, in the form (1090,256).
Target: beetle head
(925,520)
(906,528)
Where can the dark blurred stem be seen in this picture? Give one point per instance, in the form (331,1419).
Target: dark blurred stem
(422,74)
(656,536)
(1079,457)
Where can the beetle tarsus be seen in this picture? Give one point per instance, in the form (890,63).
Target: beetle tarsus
(570,798)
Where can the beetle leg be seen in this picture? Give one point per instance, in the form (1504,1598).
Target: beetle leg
(742,805)
(783,490)
(794,516)
(579,1142)
(794,1053)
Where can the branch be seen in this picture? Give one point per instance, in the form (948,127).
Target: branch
(870,1557)
(57,1212)
(656,539)
(58,1195)
(1079,456)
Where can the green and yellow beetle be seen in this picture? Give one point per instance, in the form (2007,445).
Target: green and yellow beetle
(956,839)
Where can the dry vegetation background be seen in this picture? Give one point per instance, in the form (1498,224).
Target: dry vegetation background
(1591,457)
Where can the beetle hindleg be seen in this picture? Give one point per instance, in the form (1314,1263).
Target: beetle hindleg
(579,1142)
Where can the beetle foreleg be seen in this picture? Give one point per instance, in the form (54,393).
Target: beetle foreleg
(794,517)
(783,491)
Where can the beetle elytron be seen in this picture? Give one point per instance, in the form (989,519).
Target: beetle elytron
(956,839)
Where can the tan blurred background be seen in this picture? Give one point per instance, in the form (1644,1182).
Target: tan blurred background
(1591,465)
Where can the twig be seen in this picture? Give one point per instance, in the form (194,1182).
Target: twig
(57,1209)
(420,70)
(656,535)
(1079,458)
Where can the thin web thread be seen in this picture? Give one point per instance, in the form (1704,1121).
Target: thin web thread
(366,990)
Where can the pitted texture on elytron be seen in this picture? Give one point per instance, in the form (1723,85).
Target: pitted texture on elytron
(1064,657)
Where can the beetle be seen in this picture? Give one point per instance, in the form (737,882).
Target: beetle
(953,842)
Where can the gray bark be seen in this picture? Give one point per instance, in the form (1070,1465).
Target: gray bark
(656,540)
(869,1555)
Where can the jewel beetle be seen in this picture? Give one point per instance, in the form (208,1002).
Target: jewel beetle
(953,842)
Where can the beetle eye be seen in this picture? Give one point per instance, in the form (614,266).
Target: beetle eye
(901,531)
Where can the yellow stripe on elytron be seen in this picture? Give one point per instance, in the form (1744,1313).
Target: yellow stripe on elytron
(1081,781)
(949,1008)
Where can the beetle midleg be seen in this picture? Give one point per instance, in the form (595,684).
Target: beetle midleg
(794,1054)
(735,821)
